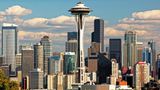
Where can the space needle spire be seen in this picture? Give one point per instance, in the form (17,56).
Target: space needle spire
(80,11)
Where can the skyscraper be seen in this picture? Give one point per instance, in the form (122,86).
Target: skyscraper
(80,11)
(9,44)
(47,52)
(158,67)
(98,34)
(27,61)
(18,62)
(152,45)
(36,79)
(129,54)
(71,46)
(54,64)
(139,51)
(141,74)
(71,36)
(38,56)
(69,62)
(115,50)
(147,55)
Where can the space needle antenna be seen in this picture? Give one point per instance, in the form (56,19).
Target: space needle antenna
(80,11)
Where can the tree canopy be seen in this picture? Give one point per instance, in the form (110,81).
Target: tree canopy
(6,84)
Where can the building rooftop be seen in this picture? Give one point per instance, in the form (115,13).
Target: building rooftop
(9,25)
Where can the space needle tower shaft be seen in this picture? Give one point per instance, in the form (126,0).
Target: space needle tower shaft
(80,11)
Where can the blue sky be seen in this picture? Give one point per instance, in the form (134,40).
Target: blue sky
(51,17)
(110,10)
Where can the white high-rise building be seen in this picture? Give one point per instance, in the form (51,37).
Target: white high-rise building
(10,44)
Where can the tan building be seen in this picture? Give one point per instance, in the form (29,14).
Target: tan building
(18,61)
(92,64)
(139,51)
(99,87)
(141,74)
(27,61)
(51,82)
(94,48)
(60,81)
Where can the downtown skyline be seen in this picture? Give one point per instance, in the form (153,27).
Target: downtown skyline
(75,48)
(51,18)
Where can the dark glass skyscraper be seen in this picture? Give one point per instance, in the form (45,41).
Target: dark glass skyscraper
(152,45)
(115,50)
(71,36)
(158,67)
(71,44)
(98,34)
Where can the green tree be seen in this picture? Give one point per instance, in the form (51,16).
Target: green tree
(4,81)
(5,84)
(13,85)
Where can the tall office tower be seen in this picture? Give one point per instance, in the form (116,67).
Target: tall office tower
(115,50)
(18,61)
(139,51)
(38,56)
(47,52)
(21,47)
(141,74)
(27,61)
(71,36)
(71,46)
(158,67)
(94,49)
(9,44)
(36,79)
(147,55)
(69,62)
(114,70)
(152,45)
(98,34)
(80,11)
(129,54)
(54,65)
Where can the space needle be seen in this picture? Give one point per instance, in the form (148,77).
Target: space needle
(80,11)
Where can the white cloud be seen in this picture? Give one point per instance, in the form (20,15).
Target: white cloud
(36,22)
(37,35)
(17,11)
(152,14)
(61,20)
(109,31)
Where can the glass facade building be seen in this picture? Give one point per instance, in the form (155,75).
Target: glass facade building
(54,64)
(129,54)
(47,52)
(69,62)
(115,50)
(71,36)
(9,44)
(98,34)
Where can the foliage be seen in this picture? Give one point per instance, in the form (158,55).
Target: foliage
(6,84)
